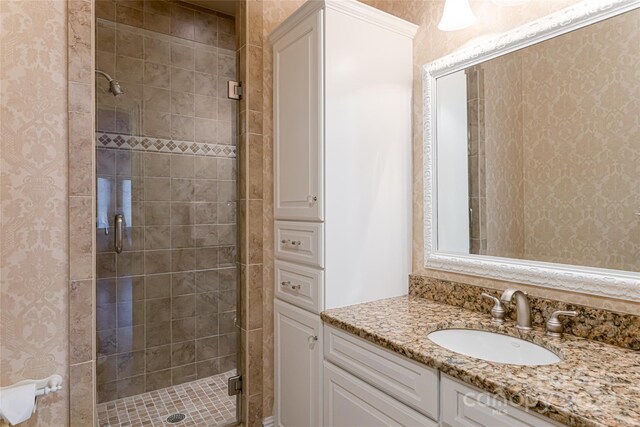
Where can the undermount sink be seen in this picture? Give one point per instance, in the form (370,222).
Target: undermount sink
(493,347)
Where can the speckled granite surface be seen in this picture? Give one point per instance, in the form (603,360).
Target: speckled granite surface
(622,330)
(594,385)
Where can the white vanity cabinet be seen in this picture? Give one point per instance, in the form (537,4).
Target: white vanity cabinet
(342,86)
(367,385)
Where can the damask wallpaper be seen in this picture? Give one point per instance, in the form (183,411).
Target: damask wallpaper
(33,193)
(581,146)
(562,135)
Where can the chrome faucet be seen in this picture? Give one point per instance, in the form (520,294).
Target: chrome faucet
(523,308)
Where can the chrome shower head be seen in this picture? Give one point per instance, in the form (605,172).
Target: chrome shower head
(114,86)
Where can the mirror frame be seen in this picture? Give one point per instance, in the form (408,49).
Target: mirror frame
(589,280)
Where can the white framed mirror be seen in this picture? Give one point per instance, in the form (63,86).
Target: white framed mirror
(532,153)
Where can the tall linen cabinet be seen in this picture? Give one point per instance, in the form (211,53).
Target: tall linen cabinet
(342,178)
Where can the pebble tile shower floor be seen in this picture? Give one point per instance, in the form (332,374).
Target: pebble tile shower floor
(204,402)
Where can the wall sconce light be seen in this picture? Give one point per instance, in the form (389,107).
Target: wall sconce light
(457,15)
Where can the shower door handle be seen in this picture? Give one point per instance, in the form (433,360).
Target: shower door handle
(118,239)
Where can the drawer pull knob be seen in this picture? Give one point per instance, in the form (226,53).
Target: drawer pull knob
(288,284)
(312,339)
(291,242)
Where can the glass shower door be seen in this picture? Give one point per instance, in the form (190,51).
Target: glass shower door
(166,171)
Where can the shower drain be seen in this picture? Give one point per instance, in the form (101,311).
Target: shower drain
(176,418)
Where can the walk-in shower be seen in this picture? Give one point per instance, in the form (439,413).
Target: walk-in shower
(166,234)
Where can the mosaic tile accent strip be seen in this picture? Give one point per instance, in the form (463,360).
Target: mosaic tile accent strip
(204,402)
(594,385)
(619,329)
(159,145)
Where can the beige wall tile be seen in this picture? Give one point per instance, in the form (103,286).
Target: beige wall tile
(157,75)
(129,43)
(182,22)
(254,22)
(157,50)
(131,70)
(254,355)
(158,380)
(182,80)
(205,28)
(80,41)
(182,56)
(81,238)
(206,130)
(105,37)
(206,107)
(128,16)
(205,84)
(206,61)
(183,374)
(254,233)
(254,122)
(253,300)
(82,396)
(159,7)
(158,23)
(255,167)
(255,68)
(81,154)
(81,326)
(106,9)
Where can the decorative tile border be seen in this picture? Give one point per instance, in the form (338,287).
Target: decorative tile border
(143,143)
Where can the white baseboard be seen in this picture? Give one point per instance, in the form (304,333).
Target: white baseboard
(268,422)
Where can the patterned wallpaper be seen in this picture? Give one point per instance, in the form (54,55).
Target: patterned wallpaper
(33,193)
(562,149)
(582,146)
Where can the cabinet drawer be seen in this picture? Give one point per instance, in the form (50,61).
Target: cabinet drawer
(301,286)
(406,380)
(349,401)
(300,242)
(464,406)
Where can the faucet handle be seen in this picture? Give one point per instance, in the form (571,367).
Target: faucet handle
(554,325)
(497,312)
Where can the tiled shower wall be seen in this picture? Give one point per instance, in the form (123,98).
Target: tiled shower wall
(166,305)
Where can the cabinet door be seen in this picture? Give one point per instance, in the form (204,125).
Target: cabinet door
(350,402)
(298,365)
(464,406)
(297,124)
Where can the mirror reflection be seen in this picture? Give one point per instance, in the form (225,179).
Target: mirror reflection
(538,151)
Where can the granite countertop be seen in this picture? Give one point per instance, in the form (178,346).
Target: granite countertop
(595,384)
